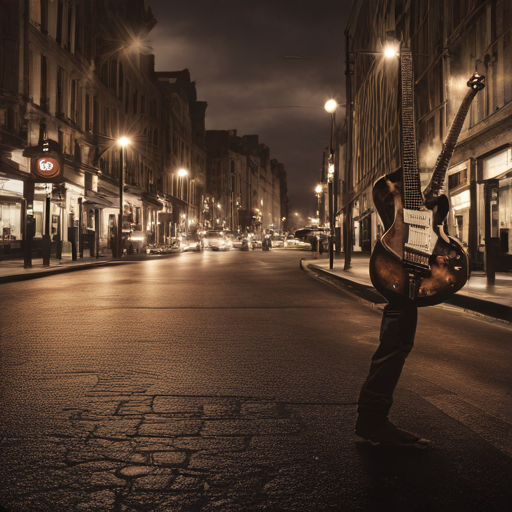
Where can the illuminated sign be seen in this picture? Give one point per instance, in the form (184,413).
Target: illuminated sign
(47,167)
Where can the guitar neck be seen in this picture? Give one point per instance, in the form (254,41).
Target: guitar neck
(413,198)
(439,173)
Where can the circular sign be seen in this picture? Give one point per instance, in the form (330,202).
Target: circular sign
(47,167)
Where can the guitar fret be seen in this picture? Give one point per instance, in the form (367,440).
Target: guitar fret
(413,199)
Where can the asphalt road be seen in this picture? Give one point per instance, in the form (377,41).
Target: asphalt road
(228,382)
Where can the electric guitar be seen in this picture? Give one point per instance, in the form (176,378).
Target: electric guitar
(416,259)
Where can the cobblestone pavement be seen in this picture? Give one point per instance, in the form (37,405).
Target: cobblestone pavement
(163,452)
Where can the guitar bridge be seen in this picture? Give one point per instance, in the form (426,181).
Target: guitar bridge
(415,261)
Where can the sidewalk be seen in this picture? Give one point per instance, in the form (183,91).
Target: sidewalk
(12,270)
(490,300)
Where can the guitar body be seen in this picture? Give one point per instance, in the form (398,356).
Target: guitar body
(447,269)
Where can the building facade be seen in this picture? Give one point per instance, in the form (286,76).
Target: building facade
(184,176)
(245,190)
(75,77)
(449,42)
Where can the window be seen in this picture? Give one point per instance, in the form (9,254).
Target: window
(35,76)
(113,76)
(60,90)
(44,84)
(127,97)
(457,179)
(78,18)
(88,112)
(95,114)
(74,101)
(135,101)
(35,12)
(121,80)
(114,122)
(106,120)
(60,17)
(69,39)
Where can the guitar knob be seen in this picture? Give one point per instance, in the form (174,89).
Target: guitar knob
(395,286)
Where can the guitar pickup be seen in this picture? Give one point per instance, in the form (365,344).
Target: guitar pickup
(418,217)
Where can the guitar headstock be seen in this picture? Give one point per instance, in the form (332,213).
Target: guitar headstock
(476,82)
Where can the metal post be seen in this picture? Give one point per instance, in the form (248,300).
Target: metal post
(347,221)
(58,250)
(331,195)
(491,202)
(97,232)
(121,201)
(28,194)
(47,241)
(331,226)
(80,228)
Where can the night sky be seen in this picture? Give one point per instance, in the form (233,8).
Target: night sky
(234,50)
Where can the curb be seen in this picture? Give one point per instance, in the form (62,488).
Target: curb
(368,293)
(51,271)
(363,291)
(56,270)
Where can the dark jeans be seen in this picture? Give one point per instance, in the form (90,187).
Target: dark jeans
(397,332)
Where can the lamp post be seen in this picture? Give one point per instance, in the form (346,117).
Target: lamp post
(318,192)
(123,141)
(389,51)
(330,108)
(181,174)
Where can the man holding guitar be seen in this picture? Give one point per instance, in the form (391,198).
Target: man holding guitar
(416,263)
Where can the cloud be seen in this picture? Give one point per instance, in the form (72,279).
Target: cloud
(234,51)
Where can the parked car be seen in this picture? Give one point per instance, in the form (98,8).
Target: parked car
(216,241)
(153,249)
(192,243)
(291,241)
(256,242)
(237,242)
(277,241)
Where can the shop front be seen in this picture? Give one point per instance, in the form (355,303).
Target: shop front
(495,210)
(11,217)
(459,219)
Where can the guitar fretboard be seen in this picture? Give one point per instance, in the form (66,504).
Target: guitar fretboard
(413,199)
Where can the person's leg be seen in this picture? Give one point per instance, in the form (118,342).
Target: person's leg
(397,333)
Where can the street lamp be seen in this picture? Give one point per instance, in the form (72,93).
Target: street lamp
(123,141)
(318,192)
(330,108)
(181,174)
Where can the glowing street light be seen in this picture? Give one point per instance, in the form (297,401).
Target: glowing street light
(330,108)
(390,52)
(123,142)
(181,174)
(318,192)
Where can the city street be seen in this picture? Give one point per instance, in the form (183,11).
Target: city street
(228,381)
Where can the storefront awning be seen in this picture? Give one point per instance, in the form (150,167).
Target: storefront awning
(92,199)
(152,201)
